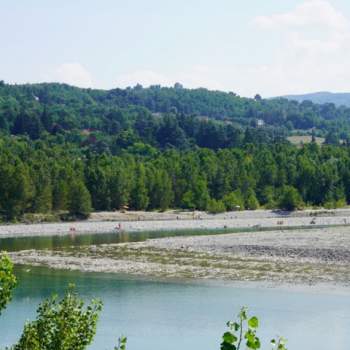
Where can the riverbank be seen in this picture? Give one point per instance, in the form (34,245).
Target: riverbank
(279,256)
(176,220)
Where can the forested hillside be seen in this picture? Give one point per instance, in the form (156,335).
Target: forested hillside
(70,150)
(161,117)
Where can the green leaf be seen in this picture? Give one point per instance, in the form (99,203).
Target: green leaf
(236,326)
(7,280)
(229,337)
(253,322)
(226,346)
(243,314)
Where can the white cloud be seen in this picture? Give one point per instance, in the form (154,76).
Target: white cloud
(311,12)
(72,74)
(314,53)
(314,26)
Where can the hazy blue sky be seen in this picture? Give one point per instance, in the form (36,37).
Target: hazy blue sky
(268,46)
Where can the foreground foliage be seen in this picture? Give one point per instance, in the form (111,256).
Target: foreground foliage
(244,332)
(7,281)
(61,324)
(121,344)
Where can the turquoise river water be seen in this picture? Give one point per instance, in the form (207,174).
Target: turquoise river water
(160,315)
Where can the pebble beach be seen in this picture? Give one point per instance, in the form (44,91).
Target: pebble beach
(174,220)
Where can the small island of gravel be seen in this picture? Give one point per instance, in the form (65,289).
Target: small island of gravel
(318,251)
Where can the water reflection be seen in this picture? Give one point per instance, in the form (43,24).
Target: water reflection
(74,240)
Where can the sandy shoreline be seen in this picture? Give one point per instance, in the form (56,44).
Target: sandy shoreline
(172,220)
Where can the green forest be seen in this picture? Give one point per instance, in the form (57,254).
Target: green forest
(69,150)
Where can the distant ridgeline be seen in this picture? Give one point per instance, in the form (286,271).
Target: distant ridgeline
(70,150)
(339,99)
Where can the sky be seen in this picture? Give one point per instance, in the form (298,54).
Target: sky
(270,47)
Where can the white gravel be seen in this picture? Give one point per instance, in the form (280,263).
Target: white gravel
(143,221)
(323,245)
(298,256)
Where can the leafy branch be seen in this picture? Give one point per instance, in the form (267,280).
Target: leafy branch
(245,330)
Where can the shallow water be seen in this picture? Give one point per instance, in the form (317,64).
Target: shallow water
(13,244)
(177,315)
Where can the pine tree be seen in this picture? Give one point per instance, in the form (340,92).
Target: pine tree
(14,190)
(60,195)
(167,196)
(79,203)
(98,186)
(162,195)
(201,194)
(188,201)
(139,195)
(119,188)
(251,202)
(43,199)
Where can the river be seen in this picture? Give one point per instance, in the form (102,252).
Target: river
(158,315)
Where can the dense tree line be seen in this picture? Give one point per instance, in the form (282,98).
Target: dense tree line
(70,150)
(37,177)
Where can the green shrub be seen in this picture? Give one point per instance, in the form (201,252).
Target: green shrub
(7,281)
(290,199)
(188,201)
(251,202)
(234,201)
(268,197)
(61,324)
(215,207)
(341,203)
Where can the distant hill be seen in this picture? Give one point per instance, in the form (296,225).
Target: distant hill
(339,99)
(160,117)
